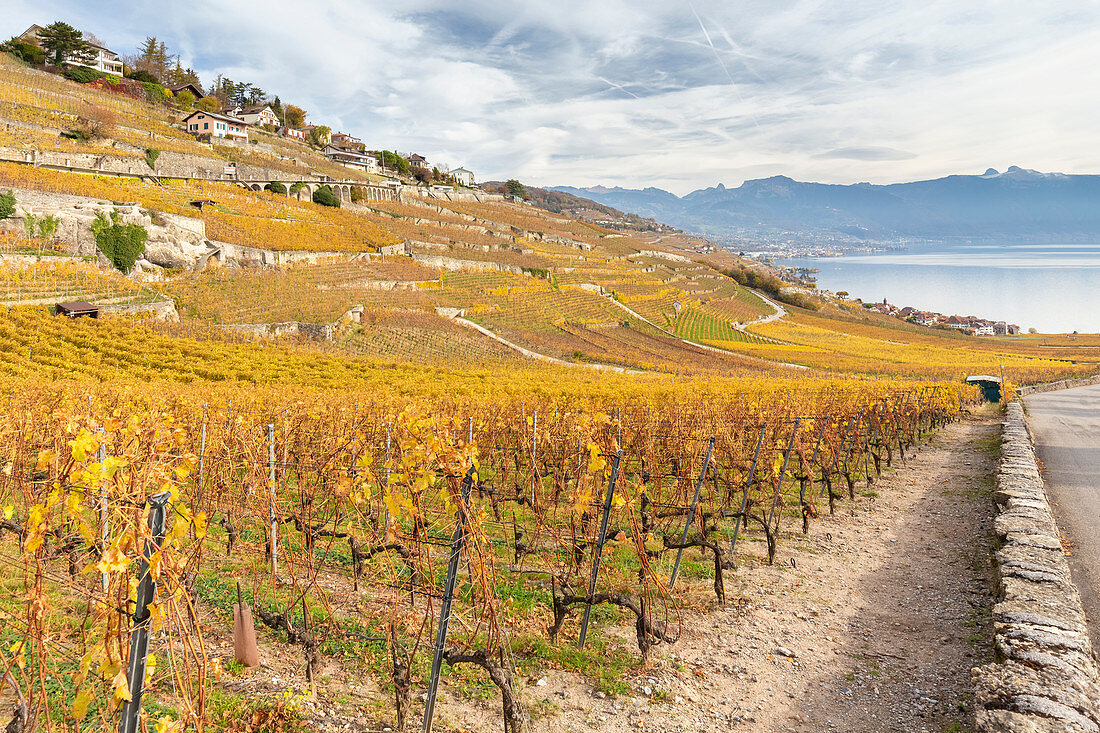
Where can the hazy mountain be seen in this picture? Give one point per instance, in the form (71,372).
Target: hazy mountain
(1017,205)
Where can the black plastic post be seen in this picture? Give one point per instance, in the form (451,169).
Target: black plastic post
(783,471)
(139,638)
(691,513)
(599,545)
(457,544)
(748,485)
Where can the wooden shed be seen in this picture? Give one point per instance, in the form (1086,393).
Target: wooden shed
(76,309)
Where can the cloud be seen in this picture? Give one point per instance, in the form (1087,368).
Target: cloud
(865,153)
(649,93)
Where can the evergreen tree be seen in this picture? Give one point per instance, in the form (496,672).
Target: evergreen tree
(62,42)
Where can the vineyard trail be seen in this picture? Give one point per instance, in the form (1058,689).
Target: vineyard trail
(872,622)
(884,611)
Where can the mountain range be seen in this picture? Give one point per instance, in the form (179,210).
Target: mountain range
(1018,205)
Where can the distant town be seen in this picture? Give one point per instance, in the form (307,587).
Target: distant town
(967,324)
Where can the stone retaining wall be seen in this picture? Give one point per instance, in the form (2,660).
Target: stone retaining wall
(1046,676)
(1062,384)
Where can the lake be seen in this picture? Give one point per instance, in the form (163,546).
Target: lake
(1054,288)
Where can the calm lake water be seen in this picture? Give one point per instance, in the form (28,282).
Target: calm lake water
(1054,288)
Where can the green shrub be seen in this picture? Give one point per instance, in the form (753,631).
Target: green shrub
(28,52)
(121,243)
(30,224)
(356,194)
(47,226)
(296,187)
(142,75)
(155,92)
(325,197)
(83,75)
(113,80)
(151,155)
(275,187)
(7,204)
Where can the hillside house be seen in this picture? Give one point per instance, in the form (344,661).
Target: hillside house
(256,114)
(213,124)
(103,59)
(956,323)
(193,88)
(291,132)
(417,161)
(346,140)
(326,139)
(463,177)
(351,158)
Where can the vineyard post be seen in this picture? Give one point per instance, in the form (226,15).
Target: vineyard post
(691,512)
(100,455)
(139,638)
(470,430)
(802,490)
(202,457)
(534,446)
(748,486)
(783,471)
(271,493)
(457,544)
(386,486)
(599,546)
(859,434)
(836,456)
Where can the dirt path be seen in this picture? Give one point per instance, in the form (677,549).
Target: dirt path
(871,623)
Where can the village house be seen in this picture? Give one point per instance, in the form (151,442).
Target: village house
(102,59)
(417,161)
(346,140)
(256,114)
(325,138)
(291,133)
(213,124)
(351,158)
(463,177)
(193,88)
(926,319)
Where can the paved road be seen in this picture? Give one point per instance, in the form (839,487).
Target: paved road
(1066,428)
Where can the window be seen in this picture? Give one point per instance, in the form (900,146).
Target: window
(206,125)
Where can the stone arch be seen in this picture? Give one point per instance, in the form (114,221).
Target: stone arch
(256,187)
(305,193)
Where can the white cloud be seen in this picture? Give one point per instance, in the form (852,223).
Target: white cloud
(634,94)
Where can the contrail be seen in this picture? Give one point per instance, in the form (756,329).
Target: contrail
(722,63)
(620,87)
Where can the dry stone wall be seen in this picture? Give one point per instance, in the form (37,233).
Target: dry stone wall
(1046,676)
(1061,384)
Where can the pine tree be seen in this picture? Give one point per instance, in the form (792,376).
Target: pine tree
(62,43)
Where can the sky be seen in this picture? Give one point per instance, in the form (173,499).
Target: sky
(677,95)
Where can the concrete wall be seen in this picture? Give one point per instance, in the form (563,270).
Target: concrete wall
(1046,676)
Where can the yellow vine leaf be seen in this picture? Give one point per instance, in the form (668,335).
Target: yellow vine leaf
(80,704)
(122,686)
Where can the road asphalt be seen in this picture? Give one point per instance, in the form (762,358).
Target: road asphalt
(1066,429)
